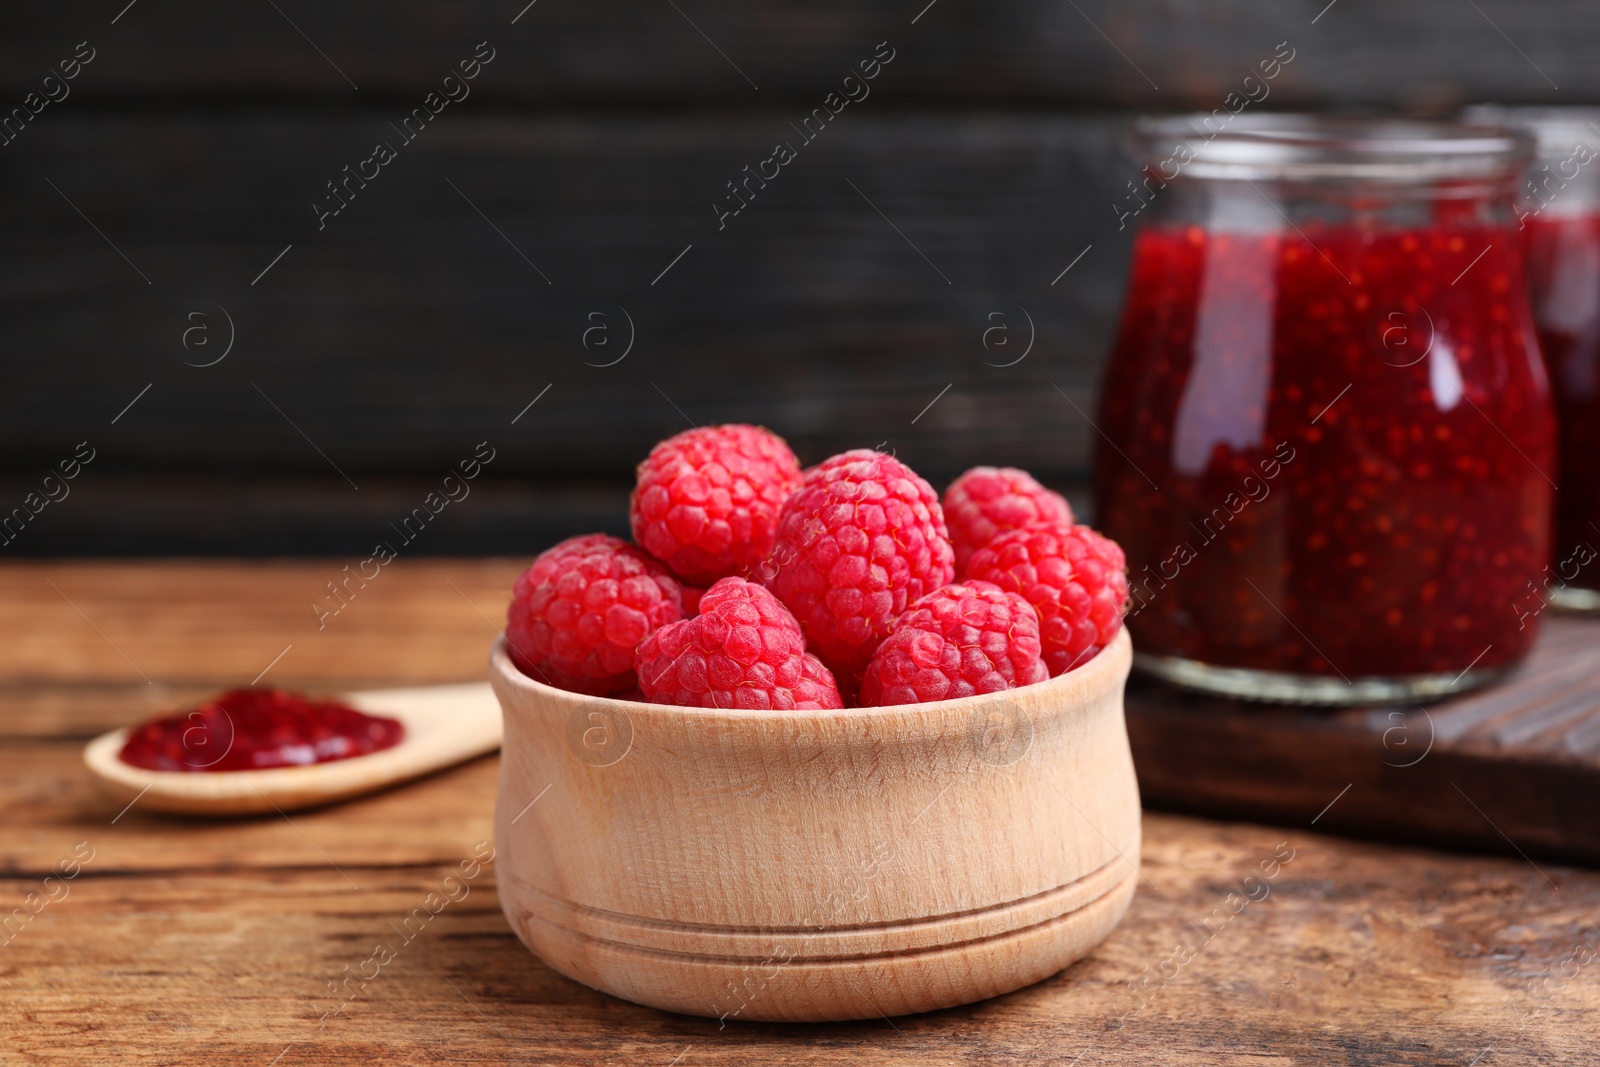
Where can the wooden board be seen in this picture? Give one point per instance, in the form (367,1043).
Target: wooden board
(808,312)
(143,514)
(1164,54)
(594,145)
(194,943)
(459,334)
(1514,768)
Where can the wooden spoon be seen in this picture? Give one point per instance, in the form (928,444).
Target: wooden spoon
(444,725)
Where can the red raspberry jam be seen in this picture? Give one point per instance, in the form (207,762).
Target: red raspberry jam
(255,729)
(1330,449)
(1558,212)
(1564,273)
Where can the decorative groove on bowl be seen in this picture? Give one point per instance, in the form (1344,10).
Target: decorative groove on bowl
(889,938)
(770,987)
(810,865)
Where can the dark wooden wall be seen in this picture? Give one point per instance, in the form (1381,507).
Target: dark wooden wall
(378,351)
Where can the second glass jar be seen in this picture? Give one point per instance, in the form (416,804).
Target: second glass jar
(1329,438)
(1559,217)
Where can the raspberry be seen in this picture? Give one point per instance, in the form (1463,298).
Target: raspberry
(707,499)
(859,540)
(744,650)
(989,500)
(579,612)
(1075,579)
(957,641)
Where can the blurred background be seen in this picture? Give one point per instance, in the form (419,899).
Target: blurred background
(273,341)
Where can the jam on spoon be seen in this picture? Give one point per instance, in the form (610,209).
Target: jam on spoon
(258,729)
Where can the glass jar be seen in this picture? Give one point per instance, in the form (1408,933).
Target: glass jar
(1327,439)
(1559,215)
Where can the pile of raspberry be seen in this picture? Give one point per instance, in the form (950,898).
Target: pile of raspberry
(754,584)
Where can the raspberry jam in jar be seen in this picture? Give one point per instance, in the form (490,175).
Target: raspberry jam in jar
(1328,439)
(1559,216)
(258,729)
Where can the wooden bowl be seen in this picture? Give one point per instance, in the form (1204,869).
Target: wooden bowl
(817,865)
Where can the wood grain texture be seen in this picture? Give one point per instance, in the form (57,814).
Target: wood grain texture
(388,829)
(132,514)
(817,865)
(635,52)
(184,942)
(104,623)
(594,146)
(1514,768)
(808,312)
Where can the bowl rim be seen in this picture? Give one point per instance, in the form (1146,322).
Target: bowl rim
(1108,668)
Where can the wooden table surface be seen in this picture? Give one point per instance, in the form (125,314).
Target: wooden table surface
(196,942)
